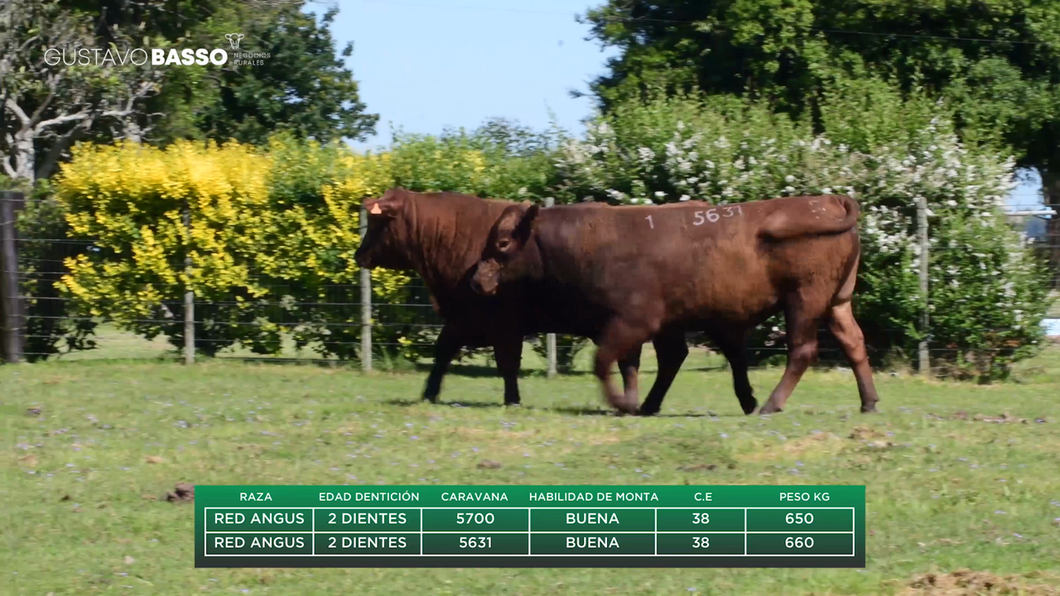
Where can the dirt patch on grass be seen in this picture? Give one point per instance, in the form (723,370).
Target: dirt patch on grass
(965,582)
(817,444)
(349,427)
(1003,418)
(184,492)
(865,433)
(606,440)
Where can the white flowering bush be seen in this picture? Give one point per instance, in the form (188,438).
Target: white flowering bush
(987,293)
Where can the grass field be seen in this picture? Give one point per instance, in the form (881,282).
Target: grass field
(84,481)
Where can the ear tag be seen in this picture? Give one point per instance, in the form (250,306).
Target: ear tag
(376,210)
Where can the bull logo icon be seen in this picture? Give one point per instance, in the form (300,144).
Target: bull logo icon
(234,39)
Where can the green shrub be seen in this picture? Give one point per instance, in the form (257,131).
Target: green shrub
(886,152)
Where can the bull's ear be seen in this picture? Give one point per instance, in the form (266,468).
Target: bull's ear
(383,208)
(526,224)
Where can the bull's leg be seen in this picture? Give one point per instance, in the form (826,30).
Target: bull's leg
(630,367)
(846,330)
(618,339)
(802,350)
(508,355)
(445,349)
(671,350)
(731,344)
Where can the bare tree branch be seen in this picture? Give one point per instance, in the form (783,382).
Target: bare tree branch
(55,153)
(8,169)
(17,111)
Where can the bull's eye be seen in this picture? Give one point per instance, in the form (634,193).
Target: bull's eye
(504,244)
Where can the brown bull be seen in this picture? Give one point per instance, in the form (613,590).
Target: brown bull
(661,270)
(441,236)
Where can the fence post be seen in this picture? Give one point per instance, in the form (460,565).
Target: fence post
(11,332)
(550,339)
(189,302)
(366,304)
(924,364)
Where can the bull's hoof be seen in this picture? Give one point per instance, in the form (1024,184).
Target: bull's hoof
(769,408)
(431,398)
(869,409)
(749,406)
(512,404)
(648,411)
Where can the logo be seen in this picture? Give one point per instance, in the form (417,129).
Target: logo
(234,39)
(243,57)
(112,57)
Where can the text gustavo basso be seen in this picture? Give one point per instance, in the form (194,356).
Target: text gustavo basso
(84,56)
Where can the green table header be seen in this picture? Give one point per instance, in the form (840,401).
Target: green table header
(571,496)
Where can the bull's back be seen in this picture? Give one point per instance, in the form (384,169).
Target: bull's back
(702,261)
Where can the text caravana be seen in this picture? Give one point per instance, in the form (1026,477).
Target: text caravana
(473,496)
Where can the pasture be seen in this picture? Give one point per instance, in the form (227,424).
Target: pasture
(958,476)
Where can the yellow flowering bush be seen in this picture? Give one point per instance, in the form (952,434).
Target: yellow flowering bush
(265,236)
(258,234)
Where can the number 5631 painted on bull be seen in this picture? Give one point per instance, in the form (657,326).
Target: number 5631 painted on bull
(712,215)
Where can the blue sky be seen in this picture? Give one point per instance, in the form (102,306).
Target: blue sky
(427,64)
(424,65)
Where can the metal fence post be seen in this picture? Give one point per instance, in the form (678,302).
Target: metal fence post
(924,360)
(189,302)
(366,304)
(11,332)
(550,339)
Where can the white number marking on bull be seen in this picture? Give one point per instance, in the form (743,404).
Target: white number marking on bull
(713,216)
(650,222)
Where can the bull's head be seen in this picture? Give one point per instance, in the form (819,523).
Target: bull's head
(383,245)
(505,259)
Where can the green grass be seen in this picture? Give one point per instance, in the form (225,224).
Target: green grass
(83,511)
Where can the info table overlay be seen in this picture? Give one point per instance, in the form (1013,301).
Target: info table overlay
(530,526)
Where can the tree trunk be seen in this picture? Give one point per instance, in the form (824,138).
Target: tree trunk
(1051,197)
(25,156)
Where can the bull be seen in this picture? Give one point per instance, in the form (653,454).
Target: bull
(661,270)
(441,236)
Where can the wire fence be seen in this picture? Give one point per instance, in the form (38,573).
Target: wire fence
(43,323)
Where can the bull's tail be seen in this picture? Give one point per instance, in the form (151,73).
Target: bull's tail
(786,224)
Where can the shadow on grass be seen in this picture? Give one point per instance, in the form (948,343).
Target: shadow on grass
(604,411)
(406,402)
(584,410)
(481,370)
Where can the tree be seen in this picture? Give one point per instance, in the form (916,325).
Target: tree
(301,86)
(50,101)
(46,105)
(996,61)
